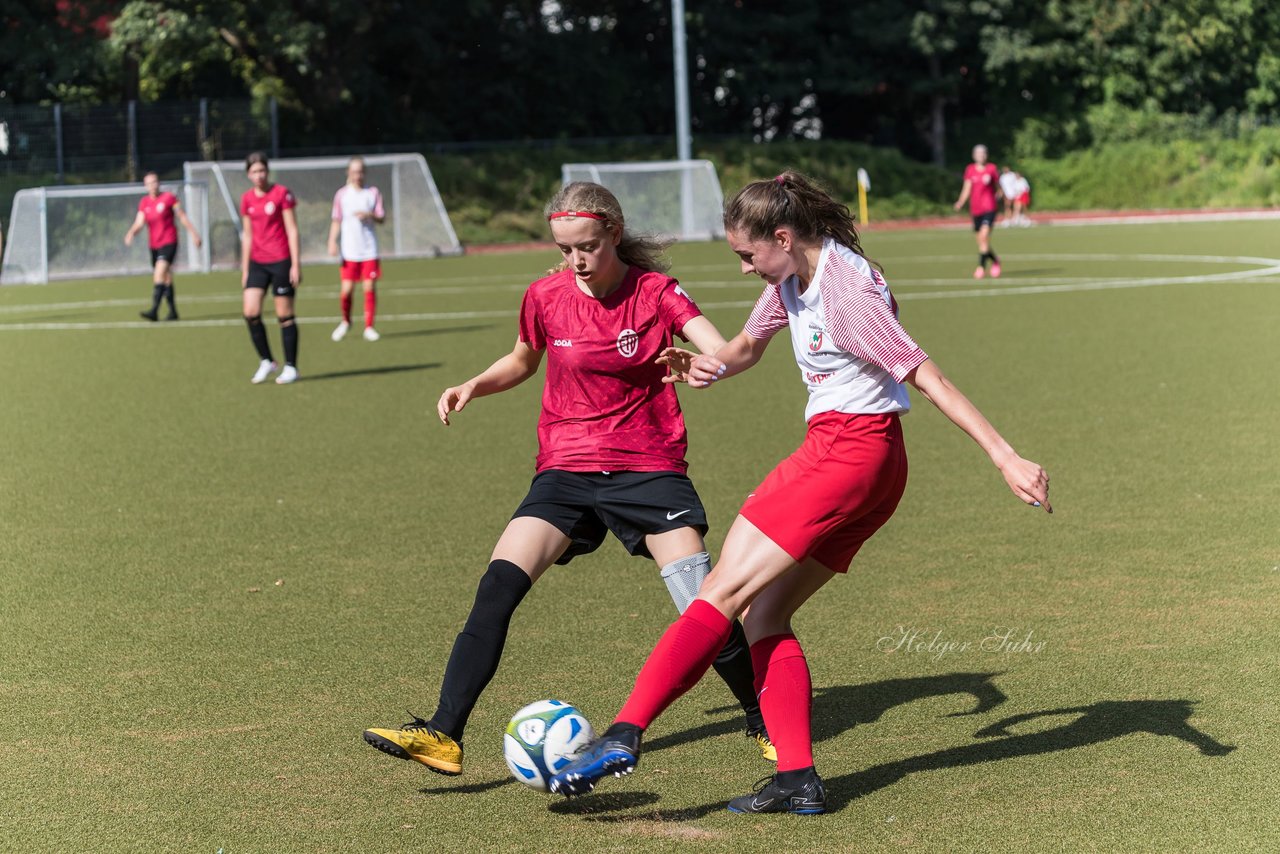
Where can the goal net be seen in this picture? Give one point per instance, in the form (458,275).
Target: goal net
(73,232)
(416,225)
(670,198)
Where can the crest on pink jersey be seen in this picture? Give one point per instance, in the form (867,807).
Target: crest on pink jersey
(628,341)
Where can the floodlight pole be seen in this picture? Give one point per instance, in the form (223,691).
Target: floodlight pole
(684,138)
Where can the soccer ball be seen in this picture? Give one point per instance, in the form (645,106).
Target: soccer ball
(541,739)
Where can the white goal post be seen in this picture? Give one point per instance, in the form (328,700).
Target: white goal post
(417,225)
(77,231)
(669,198)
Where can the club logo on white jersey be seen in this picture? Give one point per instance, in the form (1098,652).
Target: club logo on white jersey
(561,342)
(815,341)
(270,208)
(628,342)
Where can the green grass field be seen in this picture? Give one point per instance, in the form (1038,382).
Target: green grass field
(209,588)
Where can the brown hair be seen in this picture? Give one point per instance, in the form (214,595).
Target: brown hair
(636,250)
(256,157)
(795,201)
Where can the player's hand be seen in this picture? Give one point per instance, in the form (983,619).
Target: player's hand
(956,206)
(677,362)
(1028,481)
(295,275)
(704,370)
(333,248)
(128,240)
(197,241)
(453,400)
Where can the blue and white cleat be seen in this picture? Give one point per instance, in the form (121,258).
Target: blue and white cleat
(615,752)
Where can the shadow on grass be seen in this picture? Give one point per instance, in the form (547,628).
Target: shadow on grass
(409,333)
(467,789)
(1093,724)
(607,802)
(843,707)
(367,372)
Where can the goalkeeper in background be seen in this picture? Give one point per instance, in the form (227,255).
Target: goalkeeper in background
(156,210)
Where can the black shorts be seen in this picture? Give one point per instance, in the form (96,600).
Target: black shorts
(987,219)
(587,505)
(164,253)
(274,276)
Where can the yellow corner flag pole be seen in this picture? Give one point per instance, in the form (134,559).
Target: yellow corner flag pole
(864,184)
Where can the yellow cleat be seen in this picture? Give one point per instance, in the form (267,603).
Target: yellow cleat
(421,742)
(767,750)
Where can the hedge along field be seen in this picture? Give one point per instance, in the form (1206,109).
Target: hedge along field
(208,588)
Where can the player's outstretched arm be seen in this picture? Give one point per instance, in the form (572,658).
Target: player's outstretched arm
(186,223)
(734,357)
(704,335)
(1025,478)
(508,372)
(138,222)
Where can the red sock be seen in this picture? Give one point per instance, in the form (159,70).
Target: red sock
(370,305)
(786,694)
(346,308)
(683,654)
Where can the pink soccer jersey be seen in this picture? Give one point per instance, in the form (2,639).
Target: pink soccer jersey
(604,405)
(158,213)
(983,181)
(852,352)
(266,221)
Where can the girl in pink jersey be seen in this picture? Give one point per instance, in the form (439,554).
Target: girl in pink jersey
(611,454)
(809,517)
(981,180)
(269,259)
(156,211)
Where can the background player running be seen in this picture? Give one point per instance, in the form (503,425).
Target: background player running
(156,210)
(980,183)
(611,454)
(356,209)
(269,258)
(809,517)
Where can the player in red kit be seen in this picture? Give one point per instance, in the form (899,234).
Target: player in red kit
(611,453)
(269,259)
(981,183)
(803,525)
(156,210)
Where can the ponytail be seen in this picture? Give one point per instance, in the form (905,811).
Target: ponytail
(795,201)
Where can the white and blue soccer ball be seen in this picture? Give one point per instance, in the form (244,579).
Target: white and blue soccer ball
(542,738)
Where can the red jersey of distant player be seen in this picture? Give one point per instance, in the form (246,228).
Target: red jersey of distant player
(266,221)
(158,213)
(983,181)
(604,404)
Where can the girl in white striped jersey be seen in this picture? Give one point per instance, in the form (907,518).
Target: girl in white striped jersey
(809,517)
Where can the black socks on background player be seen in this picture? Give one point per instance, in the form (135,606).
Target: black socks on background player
(289,335)
(258,334)
(733,665)
(985,257)
(478,648)
(168,296)
(157,294)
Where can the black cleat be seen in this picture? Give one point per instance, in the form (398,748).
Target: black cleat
(809,798)
(613,753)
(173,315)
(149,315)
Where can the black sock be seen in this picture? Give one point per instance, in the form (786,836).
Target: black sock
(734,666)
(157,293)
(478,647)
(992,256)
(289,335)
(620,728)
(168,296)
(258,334)
(795,778)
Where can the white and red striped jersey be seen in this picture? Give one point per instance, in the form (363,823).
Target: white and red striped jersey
(358,242)
(852,352)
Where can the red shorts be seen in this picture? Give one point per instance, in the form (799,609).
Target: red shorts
(1025,200)
(835,491)
(359,271)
